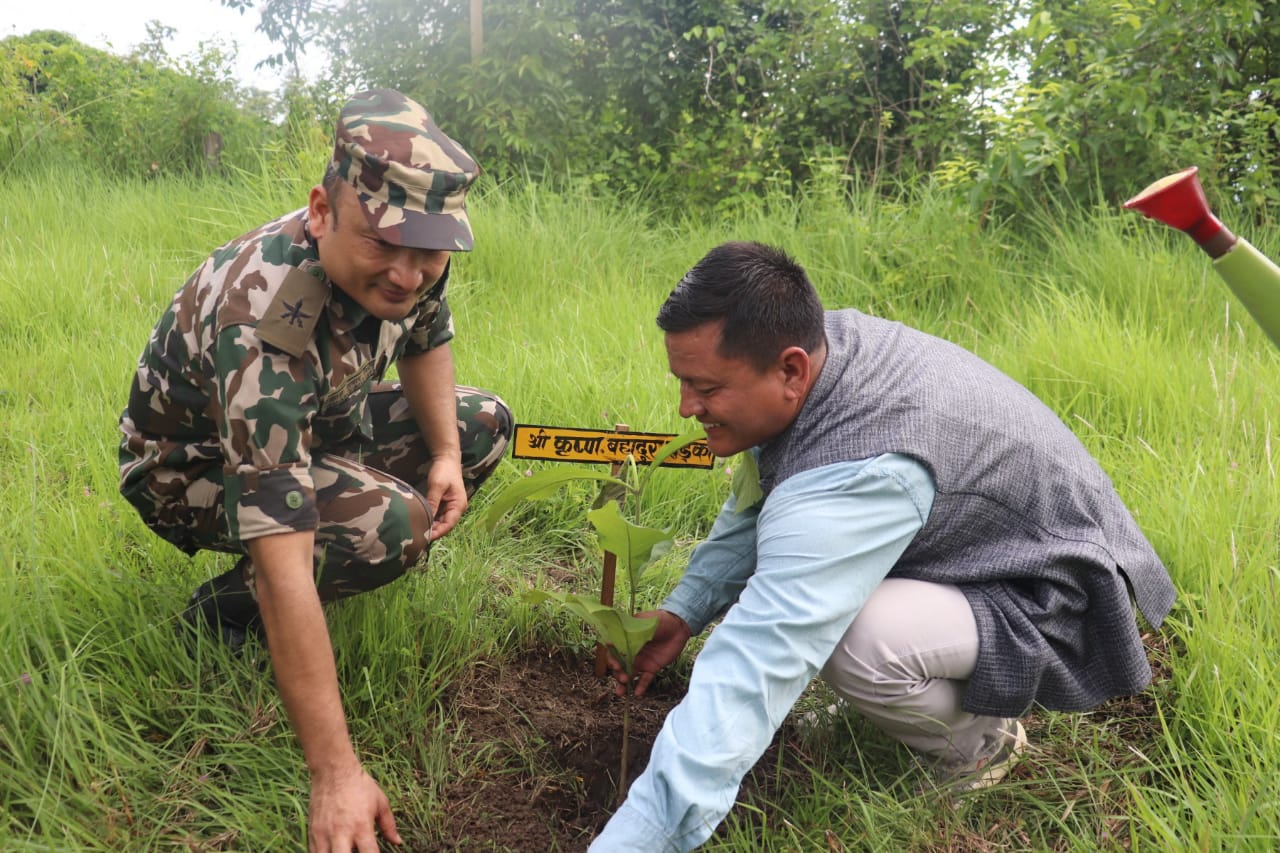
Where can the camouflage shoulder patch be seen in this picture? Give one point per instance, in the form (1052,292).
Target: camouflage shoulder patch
(292,316)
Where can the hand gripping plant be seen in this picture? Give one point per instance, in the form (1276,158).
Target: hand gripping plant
(634,547)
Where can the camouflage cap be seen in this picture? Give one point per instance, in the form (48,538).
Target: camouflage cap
(412,180)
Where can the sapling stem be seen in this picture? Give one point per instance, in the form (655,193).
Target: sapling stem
(626,748)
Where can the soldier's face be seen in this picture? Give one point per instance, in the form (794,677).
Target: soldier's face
(384,279)
(738,405)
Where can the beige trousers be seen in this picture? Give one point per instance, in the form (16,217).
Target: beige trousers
(903,664)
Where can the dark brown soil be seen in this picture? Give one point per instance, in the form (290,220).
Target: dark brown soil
(538,758)
(549,732)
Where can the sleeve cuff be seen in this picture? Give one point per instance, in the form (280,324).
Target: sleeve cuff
(628,831)
(264,502)
(681,602)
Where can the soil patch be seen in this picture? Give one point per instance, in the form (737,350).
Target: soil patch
(540,737)
(537,757)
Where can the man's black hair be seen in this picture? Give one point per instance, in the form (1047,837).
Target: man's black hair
(765,299)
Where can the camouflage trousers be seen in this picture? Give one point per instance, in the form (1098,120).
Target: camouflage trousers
(374,520)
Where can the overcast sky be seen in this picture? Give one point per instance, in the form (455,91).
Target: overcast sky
(119,25)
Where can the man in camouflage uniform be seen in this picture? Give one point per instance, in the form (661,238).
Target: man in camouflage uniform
(259,423)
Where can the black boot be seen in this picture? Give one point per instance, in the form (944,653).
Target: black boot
(225,608)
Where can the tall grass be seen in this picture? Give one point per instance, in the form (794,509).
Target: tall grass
(112,738)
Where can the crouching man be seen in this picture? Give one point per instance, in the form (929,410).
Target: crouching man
(259,422)
(932,540)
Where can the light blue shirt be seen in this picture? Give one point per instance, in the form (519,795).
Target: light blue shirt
(793,573)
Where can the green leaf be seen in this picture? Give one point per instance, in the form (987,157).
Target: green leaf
(537,486)
(746,482)
(624,633)
(635,546)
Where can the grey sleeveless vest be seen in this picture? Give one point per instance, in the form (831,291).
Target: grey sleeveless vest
(1025,522)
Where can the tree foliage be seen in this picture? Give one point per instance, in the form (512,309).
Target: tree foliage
(700,99)
(140,115)
(710,102)
(1122,91)
(705,100)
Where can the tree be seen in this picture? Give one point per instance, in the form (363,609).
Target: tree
(1119,92)
(709,97)
(136,115)
(710,101)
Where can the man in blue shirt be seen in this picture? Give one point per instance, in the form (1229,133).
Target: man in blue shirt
(931,539)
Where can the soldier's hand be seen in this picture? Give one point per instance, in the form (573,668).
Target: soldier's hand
(347,810)
(446,495)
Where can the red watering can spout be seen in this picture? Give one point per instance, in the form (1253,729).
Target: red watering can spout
(1179,200)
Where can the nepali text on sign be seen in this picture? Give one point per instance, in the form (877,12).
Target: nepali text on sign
(567,444)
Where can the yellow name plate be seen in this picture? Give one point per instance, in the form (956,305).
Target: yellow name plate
(566,444)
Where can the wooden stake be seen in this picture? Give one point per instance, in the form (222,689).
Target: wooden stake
(477,29)
(608,575)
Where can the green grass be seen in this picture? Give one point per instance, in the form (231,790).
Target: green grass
(111,738)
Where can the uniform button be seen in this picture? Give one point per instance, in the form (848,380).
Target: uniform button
(293,500)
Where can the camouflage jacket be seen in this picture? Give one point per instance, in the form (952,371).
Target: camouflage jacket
(258,363)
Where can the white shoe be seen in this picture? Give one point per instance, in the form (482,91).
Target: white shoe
(987,771)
